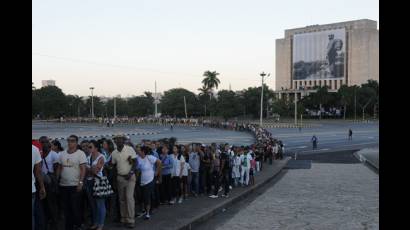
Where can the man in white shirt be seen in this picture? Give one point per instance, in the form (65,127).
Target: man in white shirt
(124,158)
(245,165)
(36,174)
(71,171)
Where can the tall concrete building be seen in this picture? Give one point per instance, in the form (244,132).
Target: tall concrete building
(45,83)
(327,55)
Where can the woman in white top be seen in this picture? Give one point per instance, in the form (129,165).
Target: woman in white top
(96,165)
(176,174)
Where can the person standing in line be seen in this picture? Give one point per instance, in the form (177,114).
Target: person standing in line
(56,146)
(96,166)
(252,171)
(176,174)
(270,153)
(146,166)
(155,201)
(236,169)
(350,134)
(113,204)
(124,159)
(166,164)
(276,150)
(49,204)
(205,171)
(186,173)
(194,164)
(36,175)
(226,169)
(216,170)
(245,166)
(71,171)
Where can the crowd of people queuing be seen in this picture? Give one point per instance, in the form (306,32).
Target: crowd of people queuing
(164,120)
(116,179)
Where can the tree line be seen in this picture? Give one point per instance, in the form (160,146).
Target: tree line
(51,102)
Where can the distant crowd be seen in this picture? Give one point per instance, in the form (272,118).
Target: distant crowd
(95,180)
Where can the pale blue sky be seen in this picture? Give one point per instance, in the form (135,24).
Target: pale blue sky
(122,47)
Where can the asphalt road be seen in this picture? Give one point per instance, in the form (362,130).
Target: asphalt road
(183,134)
(331,136)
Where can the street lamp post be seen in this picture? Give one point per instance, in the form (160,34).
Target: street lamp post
(92,102)
(296,107)
(263,74)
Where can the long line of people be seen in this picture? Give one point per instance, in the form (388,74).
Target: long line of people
(94,179)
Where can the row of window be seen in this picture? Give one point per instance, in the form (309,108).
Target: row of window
(332,84)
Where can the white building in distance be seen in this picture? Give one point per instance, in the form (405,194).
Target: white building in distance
(45,83)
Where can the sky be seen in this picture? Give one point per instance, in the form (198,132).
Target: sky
(123,47)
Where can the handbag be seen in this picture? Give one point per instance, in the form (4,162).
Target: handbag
(50,179)
(102,187)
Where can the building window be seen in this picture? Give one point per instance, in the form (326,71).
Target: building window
(304,83)
(341,82)
(325,82)
(314,83)
(310,82)
(335,84)
(320,83)
(296,84)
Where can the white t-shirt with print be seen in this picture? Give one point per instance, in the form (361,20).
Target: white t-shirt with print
(185,169)
(146,166)
(246,158)
(176,167)
(70,163)
(50,160)
(35,159)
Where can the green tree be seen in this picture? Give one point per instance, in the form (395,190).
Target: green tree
(346,95)
(141,105)
(251,98)
(375,103)
(227,104)
(52,102)
(172,103)
(365,96)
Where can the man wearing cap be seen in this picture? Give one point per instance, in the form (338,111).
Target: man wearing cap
(124,159)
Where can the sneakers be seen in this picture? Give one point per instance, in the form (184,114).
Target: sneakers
(220,189)
(227,195)
(141,214)
(213,196)
(172,201)
(230,187)
(147,217)
(180,201)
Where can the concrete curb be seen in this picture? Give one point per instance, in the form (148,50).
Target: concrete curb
(366,161)
(194,221)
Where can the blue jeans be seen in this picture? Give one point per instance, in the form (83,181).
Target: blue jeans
(33,200)
(195,182)
(99,212)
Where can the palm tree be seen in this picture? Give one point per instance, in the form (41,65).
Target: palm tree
(211,80)
(203,91)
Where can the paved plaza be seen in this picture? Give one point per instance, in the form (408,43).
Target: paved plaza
(326,196)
